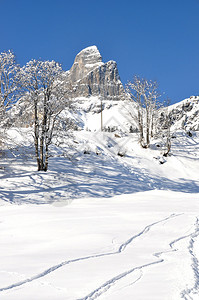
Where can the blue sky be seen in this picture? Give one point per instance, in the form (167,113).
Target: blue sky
(156,39)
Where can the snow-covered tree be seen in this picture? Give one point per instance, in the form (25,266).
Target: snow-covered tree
(9,71)
(43,86)
(144,93)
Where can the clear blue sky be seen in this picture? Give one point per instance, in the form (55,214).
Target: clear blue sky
(156,39)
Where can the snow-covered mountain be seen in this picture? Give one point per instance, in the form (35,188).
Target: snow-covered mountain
(95,86)
(92,81)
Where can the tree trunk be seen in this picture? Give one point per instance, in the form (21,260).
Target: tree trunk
(46,159)
(141,127)
(152,125)
(37,154)
(147,131)
(36,137)
(43,133)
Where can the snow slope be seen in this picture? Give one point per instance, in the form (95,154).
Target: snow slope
(98,225)
(129,246)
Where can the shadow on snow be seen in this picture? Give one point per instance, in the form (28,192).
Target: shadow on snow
(90,176)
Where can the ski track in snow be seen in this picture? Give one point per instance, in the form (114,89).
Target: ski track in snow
(132,283)
(186,294)
(103,288)
(108,284)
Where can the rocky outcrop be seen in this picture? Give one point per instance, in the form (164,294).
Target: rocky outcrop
(89,76)
(185,114)
(182,115)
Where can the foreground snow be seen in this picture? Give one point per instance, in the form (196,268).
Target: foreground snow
(138,246)
(98,225)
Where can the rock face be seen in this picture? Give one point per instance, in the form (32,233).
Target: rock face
(185,114)
(89,76)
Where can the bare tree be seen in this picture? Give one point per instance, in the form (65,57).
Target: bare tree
(43,85)
(144,93)
(164,124)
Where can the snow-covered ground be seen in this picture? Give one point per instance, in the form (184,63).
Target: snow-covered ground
(98,225)
(138,246)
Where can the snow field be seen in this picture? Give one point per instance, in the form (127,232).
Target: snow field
(109,247)
(98,225)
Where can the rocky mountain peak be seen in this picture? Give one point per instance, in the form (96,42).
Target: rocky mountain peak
(89,76)
(89,55)
(85,61)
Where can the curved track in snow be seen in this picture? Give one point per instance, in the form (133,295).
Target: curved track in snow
(108,284)
(121,248)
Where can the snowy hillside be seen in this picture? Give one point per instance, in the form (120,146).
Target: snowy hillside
(115,114)
(109,220)
(185,114)
(120,114)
